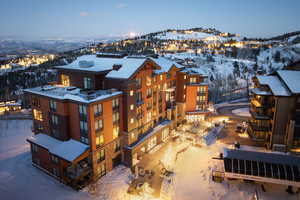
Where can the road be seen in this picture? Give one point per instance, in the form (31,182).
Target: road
(228,134)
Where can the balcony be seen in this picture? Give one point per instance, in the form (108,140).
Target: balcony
(259,127)
(78,170)
(261,113)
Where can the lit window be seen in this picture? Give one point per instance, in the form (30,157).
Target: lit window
(37,115)
(98,125)
(161,77)
(149,116)
(184,77)
(99,140)
(116,132)
(132,120)
(100,155)
(184,96)
(65,80)
(115,103)
(116,117)
(131,92)
(131,107)
(97,109)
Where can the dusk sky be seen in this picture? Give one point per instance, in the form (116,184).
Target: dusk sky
(92,18)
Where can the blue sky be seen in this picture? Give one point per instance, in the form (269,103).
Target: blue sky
(91,18)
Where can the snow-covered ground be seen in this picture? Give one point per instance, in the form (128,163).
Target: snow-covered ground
(192,180)
(18,178)
(243,112)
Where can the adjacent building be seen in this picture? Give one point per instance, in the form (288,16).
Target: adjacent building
(106,110)
(275,110)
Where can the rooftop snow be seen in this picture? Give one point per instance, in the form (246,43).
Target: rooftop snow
(291,79)
(68,150)
(72,93)
(151,133)
(128,66)
(275,85)
(260,92)
(165,64)
(194,70)
(266,157)
(99,64)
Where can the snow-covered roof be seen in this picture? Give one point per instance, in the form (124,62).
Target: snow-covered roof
(97,64)
(68,150)
(165,64)
(128,65)
(275,85)
(267,157)
(151,133)
(260,92)
(291,79)
(72,93)
(194,70)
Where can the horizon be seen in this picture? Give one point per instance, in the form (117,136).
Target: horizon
(57,19)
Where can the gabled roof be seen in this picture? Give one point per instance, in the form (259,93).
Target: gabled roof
(291,79)
(275,85)
(68,150)
(128,67)
(165,64)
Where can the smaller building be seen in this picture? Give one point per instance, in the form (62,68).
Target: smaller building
(77,132)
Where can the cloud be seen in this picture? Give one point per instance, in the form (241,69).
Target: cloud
(83,14)
(120,5)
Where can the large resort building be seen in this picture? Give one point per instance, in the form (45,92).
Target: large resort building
(106,110)
(275,110)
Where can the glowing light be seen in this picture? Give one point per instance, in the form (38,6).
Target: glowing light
(132,34)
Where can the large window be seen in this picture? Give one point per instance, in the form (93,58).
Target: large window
(201,89)
(116,131)
(54,120)
(53,105)
(115,104)
(84,132)
(37,115)
(201,98)
(116,117)
(99,140)
(87,83)
(98,125)
(82,111)
(97,109)
(65,80)
(193,80)
(100,155)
